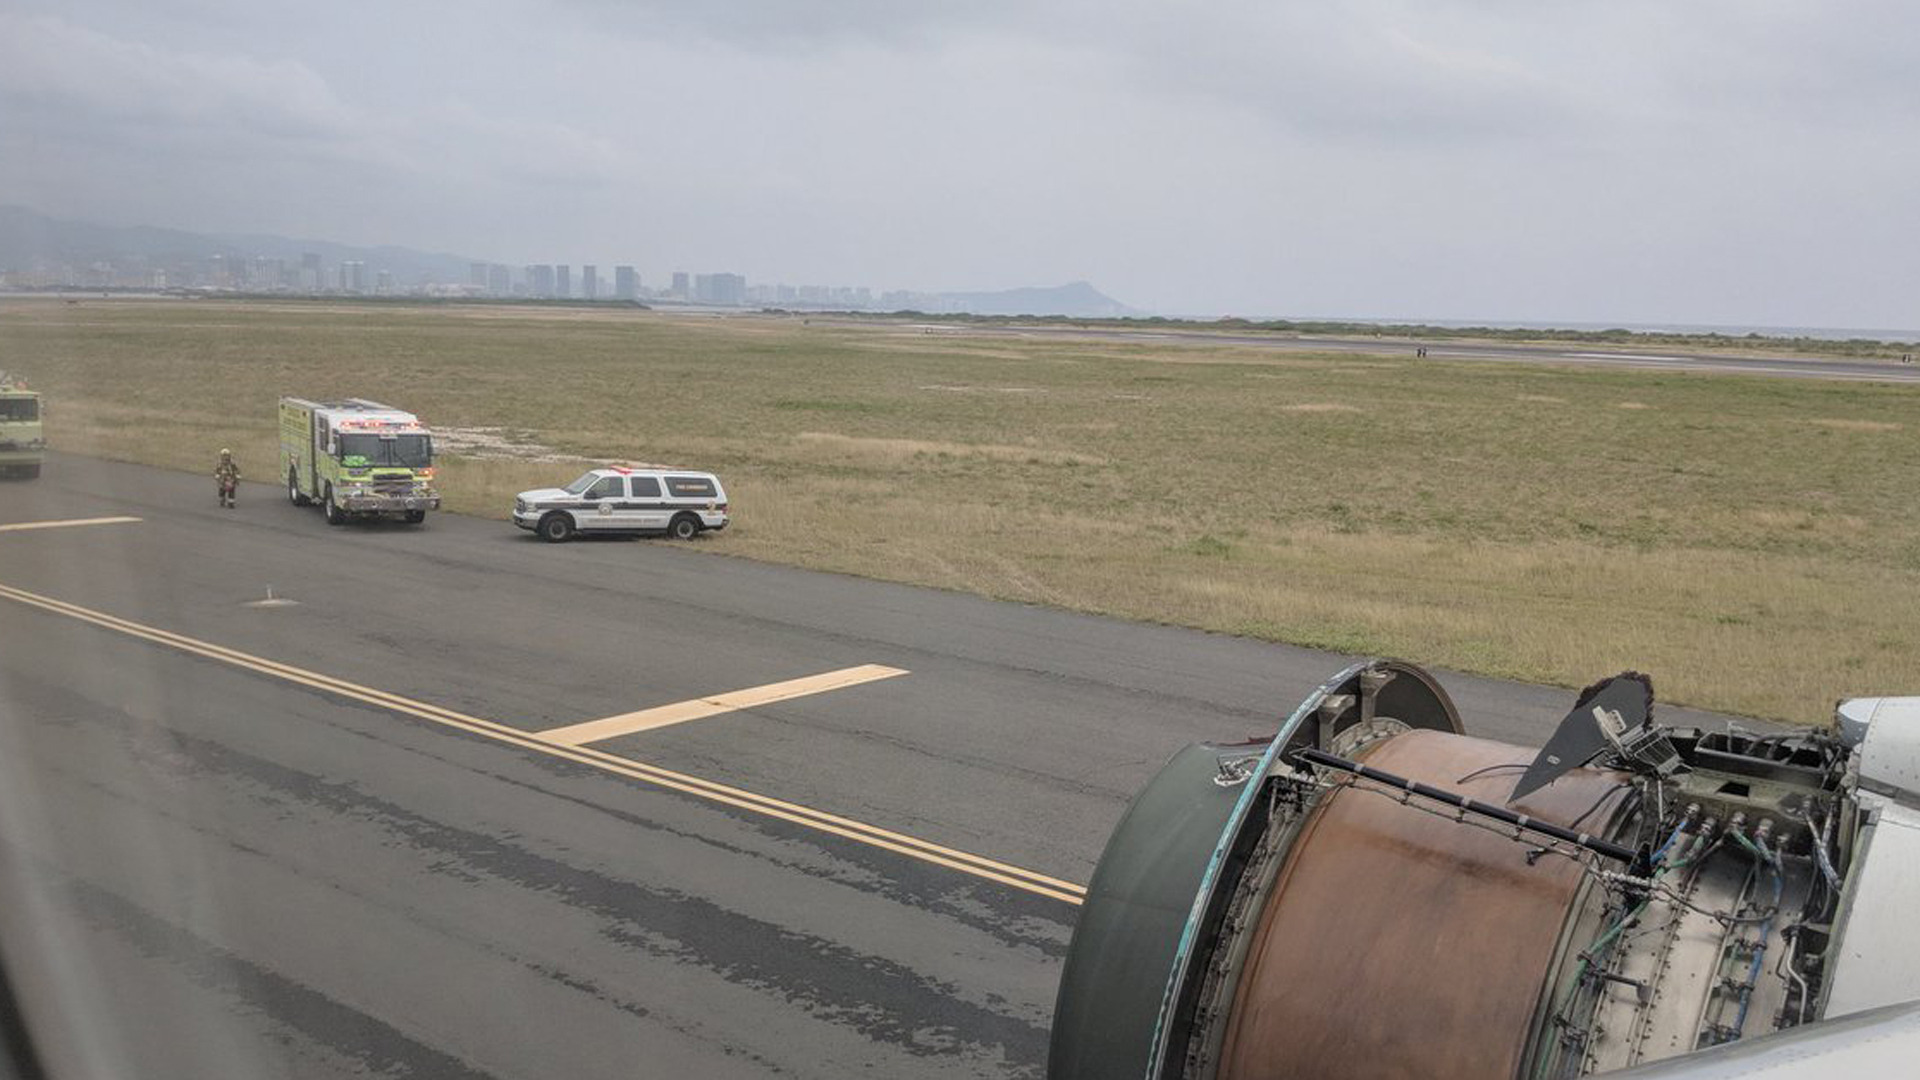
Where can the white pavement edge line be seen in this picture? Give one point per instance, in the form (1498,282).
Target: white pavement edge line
(23,526)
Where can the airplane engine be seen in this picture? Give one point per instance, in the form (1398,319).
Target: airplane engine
(1374,893)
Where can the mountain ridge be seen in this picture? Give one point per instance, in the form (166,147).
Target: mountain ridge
(35,242)
(1076,298)
(30,239)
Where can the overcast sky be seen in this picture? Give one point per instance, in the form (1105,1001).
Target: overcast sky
(1711,161)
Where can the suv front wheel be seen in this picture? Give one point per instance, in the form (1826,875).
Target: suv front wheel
(556,528)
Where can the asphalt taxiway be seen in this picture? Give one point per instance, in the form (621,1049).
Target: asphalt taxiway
(279,799)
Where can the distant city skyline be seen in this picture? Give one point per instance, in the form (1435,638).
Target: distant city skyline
(312,273)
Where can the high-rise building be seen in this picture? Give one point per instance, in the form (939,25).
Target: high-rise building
(499,280)
(589,282)
(626,283)
(540,280)
(353,276)
(266,274)
(477,275)
(310,279)
(719,288)
(682,288)
(563,281)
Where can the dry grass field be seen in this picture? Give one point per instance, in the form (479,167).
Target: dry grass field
(1754,543)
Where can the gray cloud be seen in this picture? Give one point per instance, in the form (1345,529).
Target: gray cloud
(125,88)
(1712,161)
(784,24)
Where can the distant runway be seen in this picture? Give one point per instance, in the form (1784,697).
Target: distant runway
(1779,367)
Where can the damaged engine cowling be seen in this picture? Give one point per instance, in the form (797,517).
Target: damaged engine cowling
(1373,893)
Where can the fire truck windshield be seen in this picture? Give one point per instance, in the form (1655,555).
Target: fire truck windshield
(402,451)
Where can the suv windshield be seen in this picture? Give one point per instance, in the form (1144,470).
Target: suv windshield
(578,486)
(403,451)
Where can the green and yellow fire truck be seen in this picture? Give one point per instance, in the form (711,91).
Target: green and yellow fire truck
(357,458)
(23,445)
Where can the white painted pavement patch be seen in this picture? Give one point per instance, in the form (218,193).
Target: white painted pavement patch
(24,526)
(271,601)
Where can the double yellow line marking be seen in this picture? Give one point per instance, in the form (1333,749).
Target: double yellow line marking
(848,828)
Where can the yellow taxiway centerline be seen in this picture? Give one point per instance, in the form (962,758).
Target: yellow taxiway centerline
(699,708)
(25,525)
(848,828)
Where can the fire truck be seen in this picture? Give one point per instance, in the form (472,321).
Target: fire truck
(357,458)
(22,443)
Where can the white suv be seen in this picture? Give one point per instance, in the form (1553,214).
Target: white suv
(645,499)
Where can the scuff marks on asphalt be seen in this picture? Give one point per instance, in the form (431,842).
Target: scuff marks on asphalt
(381,1048)
(1014,916)
(1035,922)
(881,999)
(588,987)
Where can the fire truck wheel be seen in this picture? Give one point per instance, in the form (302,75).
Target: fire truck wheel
(415,517)
(335,515)
(293,490)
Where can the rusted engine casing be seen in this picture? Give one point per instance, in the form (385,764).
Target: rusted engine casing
(1375,902)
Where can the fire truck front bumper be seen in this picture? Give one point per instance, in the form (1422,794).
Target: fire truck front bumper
(387,504)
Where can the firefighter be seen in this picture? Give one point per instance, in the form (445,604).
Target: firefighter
(227,474)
